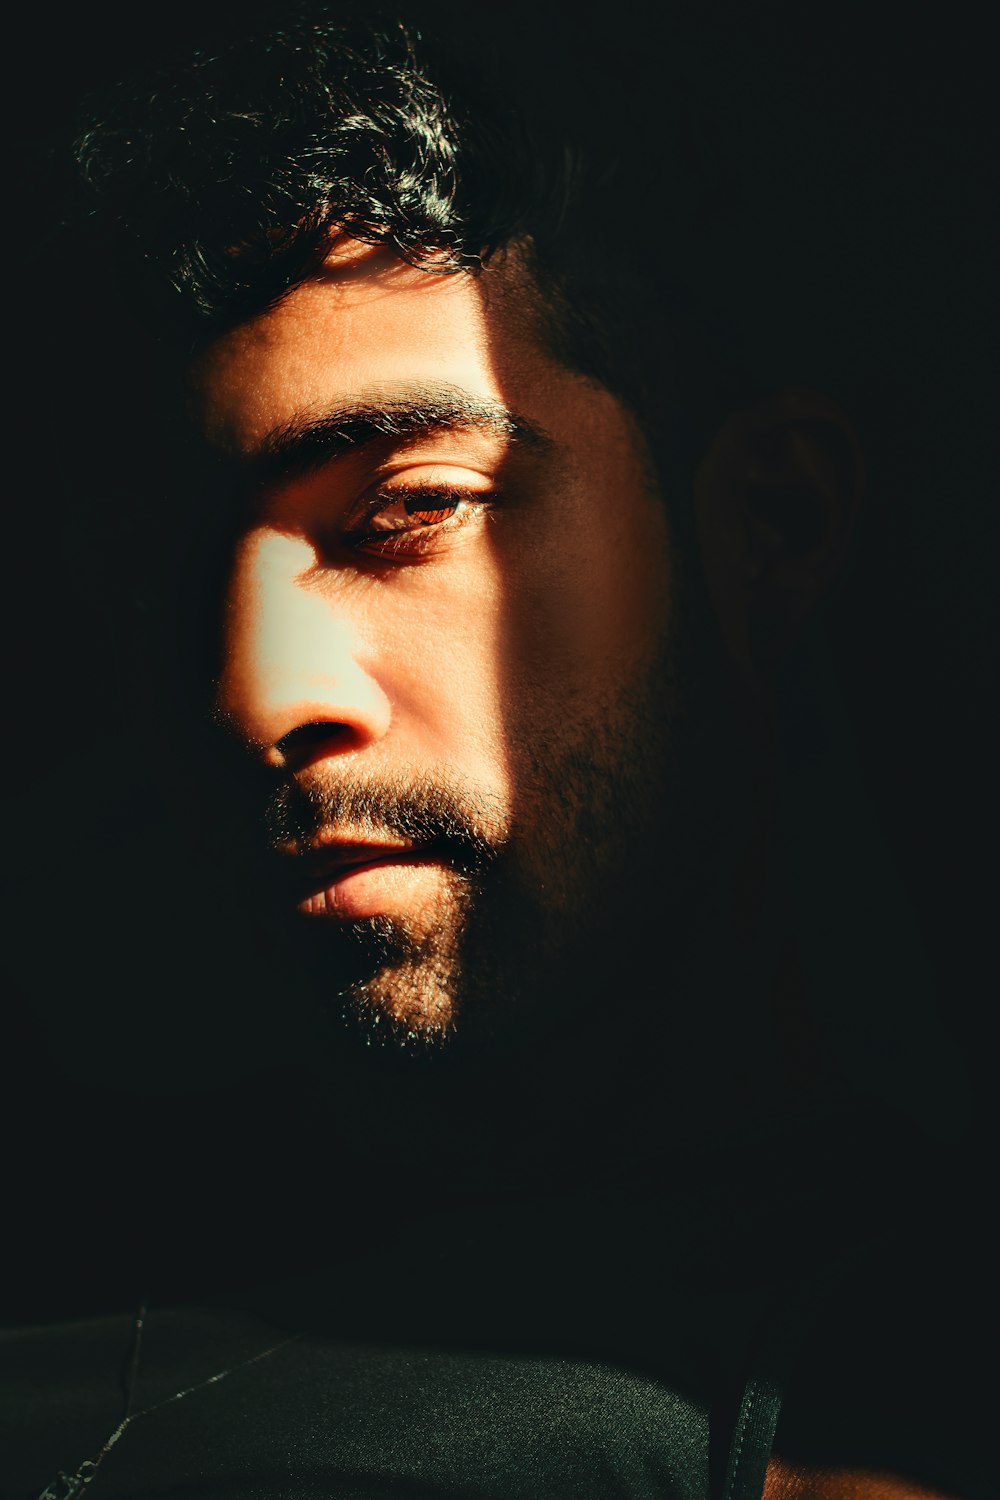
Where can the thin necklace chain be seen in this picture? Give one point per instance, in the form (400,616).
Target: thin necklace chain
(70,1486)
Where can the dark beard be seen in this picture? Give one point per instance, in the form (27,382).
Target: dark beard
(421,810)
(383,984)
(545,902)
(486,981)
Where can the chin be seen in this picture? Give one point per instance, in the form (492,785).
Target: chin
(410,1009)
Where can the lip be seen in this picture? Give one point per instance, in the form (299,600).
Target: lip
(351,880)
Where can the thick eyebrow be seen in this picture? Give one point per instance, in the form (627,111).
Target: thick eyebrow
(307,442)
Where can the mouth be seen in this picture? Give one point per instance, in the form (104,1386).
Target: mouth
(347,881)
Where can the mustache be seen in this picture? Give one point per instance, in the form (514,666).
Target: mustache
(465,828)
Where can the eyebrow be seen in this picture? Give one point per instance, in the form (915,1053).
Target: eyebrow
(308,441)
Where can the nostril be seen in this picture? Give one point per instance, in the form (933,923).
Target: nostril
(307,742)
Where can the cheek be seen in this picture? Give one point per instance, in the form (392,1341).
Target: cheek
(440,650)
(591,608)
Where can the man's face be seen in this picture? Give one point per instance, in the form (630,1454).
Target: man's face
(445,637)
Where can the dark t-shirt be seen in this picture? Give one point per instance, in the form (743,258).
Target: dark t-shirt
(315,1417)
(596,1346)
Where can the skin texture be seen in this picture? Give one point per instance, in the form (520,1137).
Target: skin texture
(503,648)
(794,1482)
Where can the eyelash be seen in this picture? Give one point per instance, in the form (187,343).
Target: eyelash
(421,536)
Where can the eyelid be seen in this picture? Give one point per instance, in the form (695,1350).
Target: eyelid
(445,473)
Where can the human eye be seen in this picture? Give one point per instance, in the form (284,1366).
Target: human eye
(408,519)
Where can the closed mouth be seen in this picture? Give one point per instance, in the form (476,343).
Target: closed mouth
(327,861)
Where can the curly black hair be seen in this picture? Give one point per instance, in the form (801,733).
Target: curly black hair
(207,184)
(226,169)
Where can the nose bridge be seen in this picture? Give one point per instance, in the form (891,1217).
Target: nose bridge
(293,653)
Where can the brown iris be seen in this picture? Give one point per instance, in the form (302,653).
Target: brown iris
(428,514)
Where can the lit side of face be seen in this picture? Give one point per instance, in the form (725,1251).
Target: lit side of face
(447,614)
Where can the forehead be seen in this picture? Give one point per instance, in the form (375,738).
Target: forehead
(364,323)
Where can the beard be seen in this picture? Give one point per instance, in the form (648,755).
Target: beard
(391,982)
(543,891)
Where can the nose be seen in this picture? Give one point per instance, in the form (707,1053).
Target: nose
(293,684)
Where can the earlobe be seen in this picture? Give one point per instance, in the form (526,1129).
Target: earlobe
(776,500)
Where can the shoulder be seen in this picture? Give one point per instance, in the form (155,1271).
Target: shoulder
(787,1481)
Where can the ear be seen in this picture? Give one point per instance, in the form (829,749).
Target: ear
(776,499)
